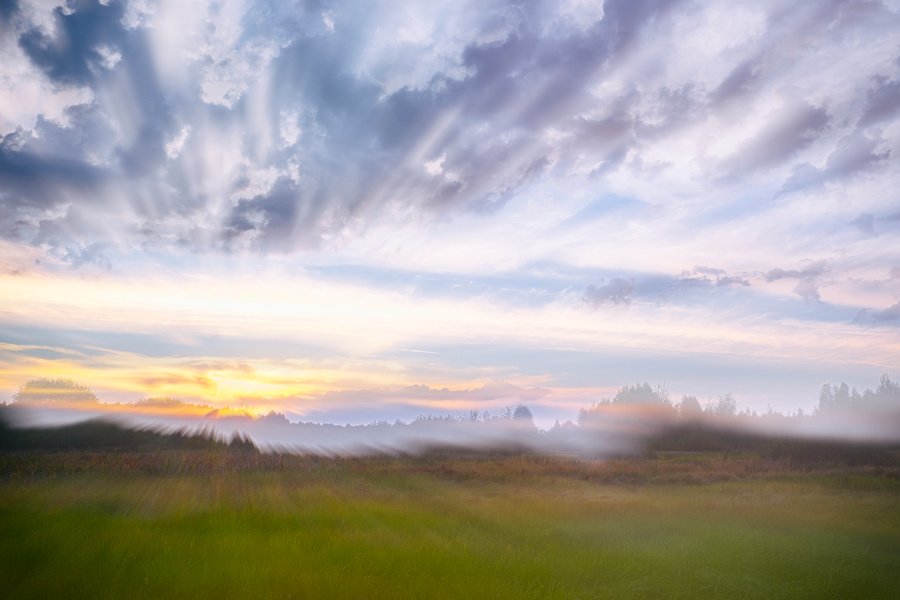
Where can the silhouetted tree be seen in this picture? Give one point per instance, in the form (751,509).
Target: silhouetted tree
(888,392)
(642,393)
(826,400)
(843,398)
(689,407)
(60,390)
(160,401)
(275,418)
(585,413)
(523,413)
(723,406)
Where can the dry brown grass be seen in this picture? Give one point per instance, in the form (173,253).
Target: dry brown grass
(664,469)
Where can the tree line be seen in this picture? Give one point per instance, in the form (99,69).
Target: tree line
(833,399)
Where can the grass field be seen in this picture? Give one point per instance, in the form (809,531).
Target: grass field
(219,525)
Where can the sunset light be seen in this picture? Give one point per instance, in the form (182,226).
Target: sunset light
(449,299)
(294,210)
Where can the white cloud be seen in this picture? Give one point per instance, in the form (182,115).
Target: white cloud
(211,38)
(26,92)
(290,127)
(436,166)
(409,44)
(40,14)
(233,72)
(174,146)
(580,15)
(137,11)
(109,58)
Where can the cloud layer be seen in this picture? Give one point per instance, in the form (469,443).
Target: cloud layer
(680,163)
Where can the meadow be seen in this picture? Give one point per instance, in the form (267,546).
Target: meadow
(219,524)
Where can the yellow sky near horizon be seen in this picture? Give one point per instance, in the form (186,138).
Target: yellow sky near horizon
(363,338)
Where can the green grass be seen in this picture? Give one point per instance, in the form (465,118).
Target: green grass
(217,526)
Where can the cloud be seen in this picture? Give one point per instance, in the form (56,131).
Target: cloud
(29,171)
(721,278)
(591,134)
(742,79)
(374,103)
(882,102)
(813,270)
(887,316)
(701,277)
(615,293)
(81,40)
(808,289)
(8,8)
(891,313)
(853,153)
(731,280)
(470,398)
(709,270)
(865,223)
(808,279)
(789,129)
(269,220)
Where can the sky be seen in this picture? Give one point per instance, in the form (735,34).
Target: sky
(350,211)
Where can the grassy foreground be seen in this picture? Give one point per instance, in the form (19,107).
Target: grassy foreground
(218,525)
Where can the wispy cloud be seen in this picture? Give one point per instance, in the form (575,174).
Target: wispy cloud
(616,292)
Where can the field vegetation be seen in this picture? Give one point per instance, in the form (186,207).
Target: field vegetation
(232,523)
(706,503)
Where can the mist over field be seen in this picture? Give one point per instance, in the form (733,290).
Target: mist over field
(616,426)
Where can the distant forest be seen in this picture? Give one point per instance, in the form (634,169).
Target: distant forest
(638,419)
